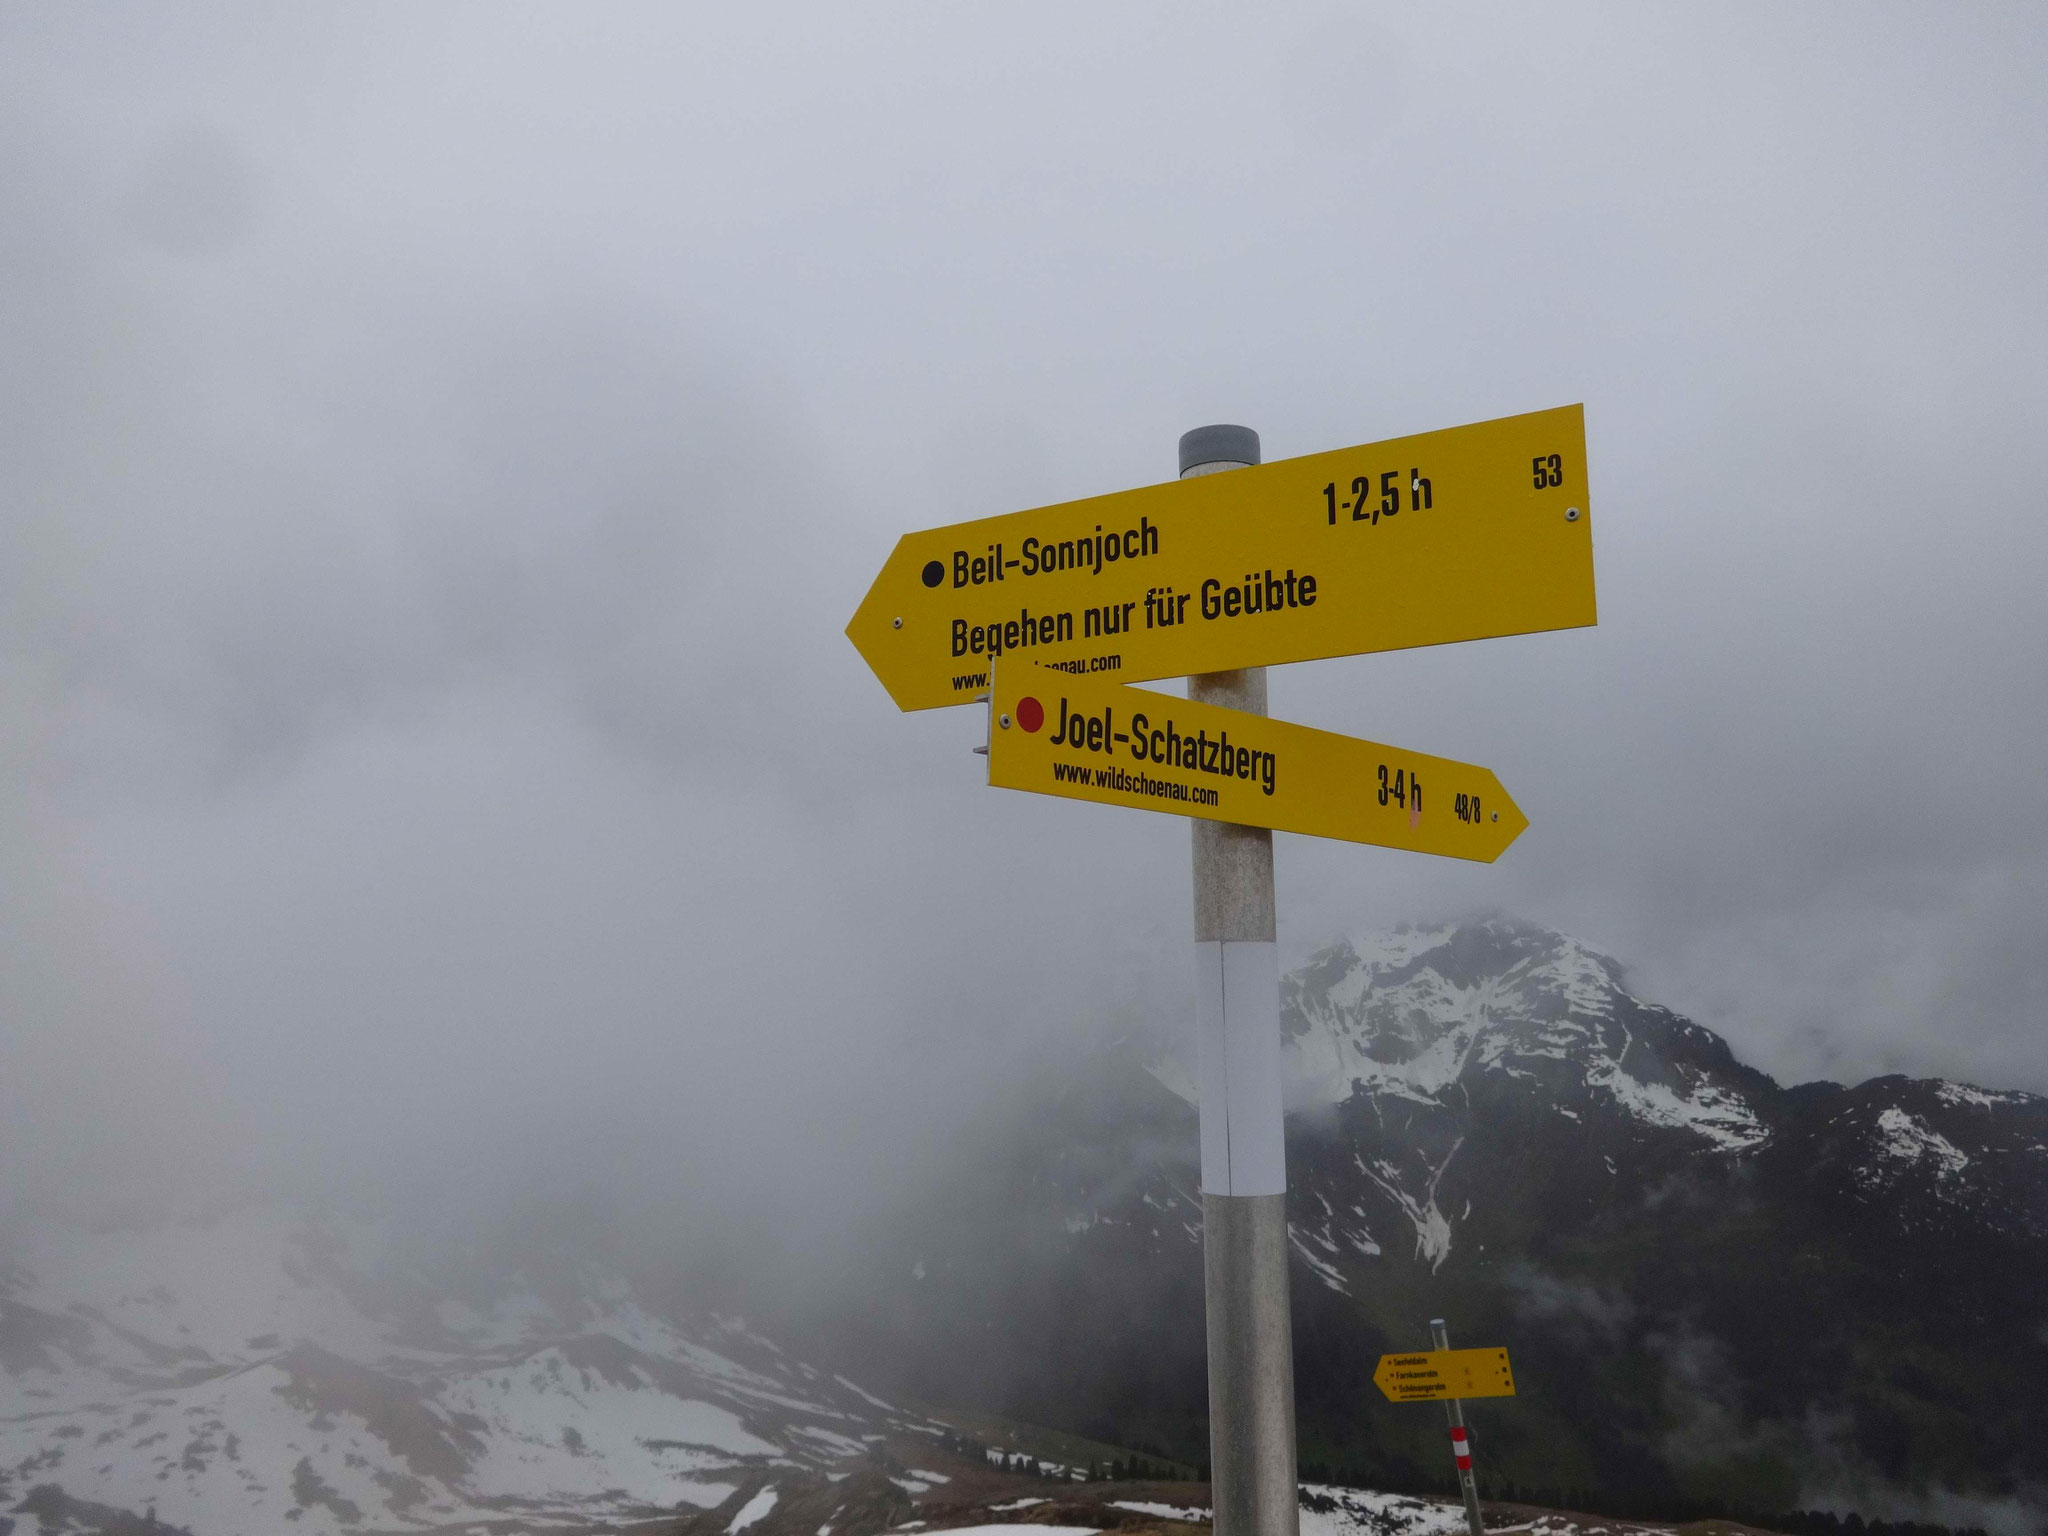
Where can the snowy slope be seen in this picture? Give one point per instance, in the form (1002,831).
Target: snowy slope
(1412,1021)
(252,1374)
(1421,1026)
(1408,1014)
(1713,1282)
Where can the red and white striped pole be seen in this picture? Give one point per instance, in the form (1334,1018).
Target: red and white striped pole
(1461,1445)
(1461,1449)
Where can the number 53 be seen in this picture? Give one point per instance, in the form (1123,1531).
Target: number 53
(1548,468)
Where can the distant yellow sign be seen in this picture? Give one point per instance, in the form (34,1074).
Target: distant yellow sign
(1055,733)
(1454,535)
(1442,1373)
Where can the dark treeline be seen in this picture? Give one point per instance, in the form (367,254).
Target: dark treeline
(1820,1522)
(1134,1468)
(1137,1469)
(1679,1511)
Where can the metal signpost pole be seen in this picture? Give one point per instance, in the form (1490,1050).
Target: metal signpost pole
(1461,1446)
(1244,1166)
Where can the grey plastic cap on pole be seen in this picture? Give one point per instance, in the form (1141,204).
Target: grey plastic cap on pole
(1218,445)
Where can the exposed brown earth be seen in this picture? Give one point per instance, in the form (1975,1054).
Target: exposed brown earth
(865,1501)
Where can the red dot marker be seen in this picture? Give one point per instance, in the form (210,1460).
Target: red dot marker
(1030,713)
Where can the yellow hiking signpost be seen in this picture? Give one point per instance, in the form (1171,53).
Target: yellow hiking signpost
(1056,734)
(1462,534)
(1048,615)
(1445,1373)
(1448,1376)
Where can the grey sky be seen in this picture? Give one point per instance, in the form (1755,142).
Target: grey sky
(440,449)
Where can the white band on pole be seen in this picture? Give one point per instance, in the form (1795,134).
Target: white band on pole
(1237,1025)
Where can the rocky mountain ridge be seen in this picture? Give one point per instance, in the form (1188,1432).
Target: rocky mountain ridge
(253,1373)
(1415,1024)
(1721,1292)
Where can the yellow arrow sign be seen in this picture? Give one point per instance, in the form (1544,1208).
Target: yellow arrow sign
(1455,535)
(1444,1373)
(1061,734)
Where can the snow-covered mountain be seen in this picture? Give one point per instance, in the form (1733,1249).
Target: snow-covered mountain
(1408,1014)
(1414,1023)
(1718,1292)
(1717,1288)
(253,1374)
(1420,1026)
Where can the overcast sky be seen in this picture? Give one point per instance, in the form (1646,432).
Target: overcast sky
(440,449)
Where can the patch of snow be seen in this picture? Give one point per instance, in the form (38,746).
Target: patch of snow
(1978,1098)
(1362,1512)
(1015,1504)
(1432,1227)
(1323,1267)
(751,1511)
(859,1391)
(1716,1114)
(1906,1138)
(835,1444)
(1583,977)
(1336,1052)
(1160,1511)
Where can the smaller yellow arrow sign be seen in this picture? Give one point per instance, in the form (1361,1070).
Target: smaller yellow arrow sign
(1442,1373)
(1055,733)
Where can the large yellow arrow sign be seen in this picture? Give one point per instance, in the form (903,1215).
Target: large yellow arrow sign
(1454,535)
(1059,734)
(1444,1373)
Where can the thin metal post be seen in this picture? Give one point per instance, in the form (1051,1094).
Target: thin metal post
(1461,1443)
(1244,1164)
